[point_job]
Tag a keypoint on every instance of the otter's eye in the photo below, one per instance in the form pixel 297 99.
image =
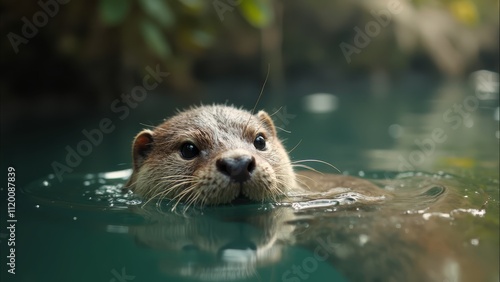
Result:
pixel 189 150
pixel 260 142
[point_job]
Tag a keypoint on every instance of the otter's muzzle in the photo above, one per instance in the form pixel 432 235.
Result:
pixel 238 168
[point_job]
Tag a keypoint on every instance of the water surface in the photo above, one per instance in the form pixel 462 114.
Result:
pixel 440 164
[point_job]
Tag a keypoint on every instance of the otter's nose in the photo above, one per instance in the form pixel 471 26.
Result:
pixel 238 168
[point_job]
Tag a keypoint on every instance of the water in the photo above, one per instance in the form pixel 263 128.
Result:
pixel 441 222
pixel 95 230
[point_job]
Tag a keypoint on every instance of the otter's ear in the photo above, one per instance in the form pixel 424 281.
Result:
pixel 267 122
pixel 143 143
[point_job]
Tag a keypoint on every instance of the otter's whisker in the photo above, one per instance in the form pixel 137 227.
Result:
pixel 307 167
pixel 179 196
pixel 317 161
pixel 302 182
pixel 275 112
pixel 192 198
pixel 258 98
pixel 284 130
pixel 179 200
pixel 160 194
pixel 295 147
pixel 147 125
pixel 188 193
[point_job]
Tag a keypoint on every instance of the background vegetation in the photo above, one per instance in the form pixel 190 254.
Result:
pixel 91 51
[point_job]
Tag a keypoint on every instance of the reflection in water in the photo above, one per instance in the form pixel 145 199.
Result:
pixel 223 244
pixel 457 119
pixel 425 227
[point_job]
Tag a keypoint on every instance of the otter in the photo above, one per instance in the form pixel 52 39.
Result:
pixel 218 154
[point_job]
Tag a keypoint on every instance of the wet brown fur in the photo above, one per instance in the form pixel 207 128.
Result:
pixel 161 172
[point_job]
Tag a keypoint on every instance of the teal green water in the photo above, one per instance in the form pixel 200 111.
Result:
pixel 94 230
pixel 439 159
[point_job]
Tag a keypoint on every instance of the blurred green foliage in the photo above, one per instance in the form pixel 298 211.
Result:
pixel 113 12
pixel 257 12
pixel 159 18
pixel 99 37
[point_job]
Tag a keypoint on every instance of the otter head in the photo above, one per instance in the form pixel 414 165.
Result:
pixel 211 155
